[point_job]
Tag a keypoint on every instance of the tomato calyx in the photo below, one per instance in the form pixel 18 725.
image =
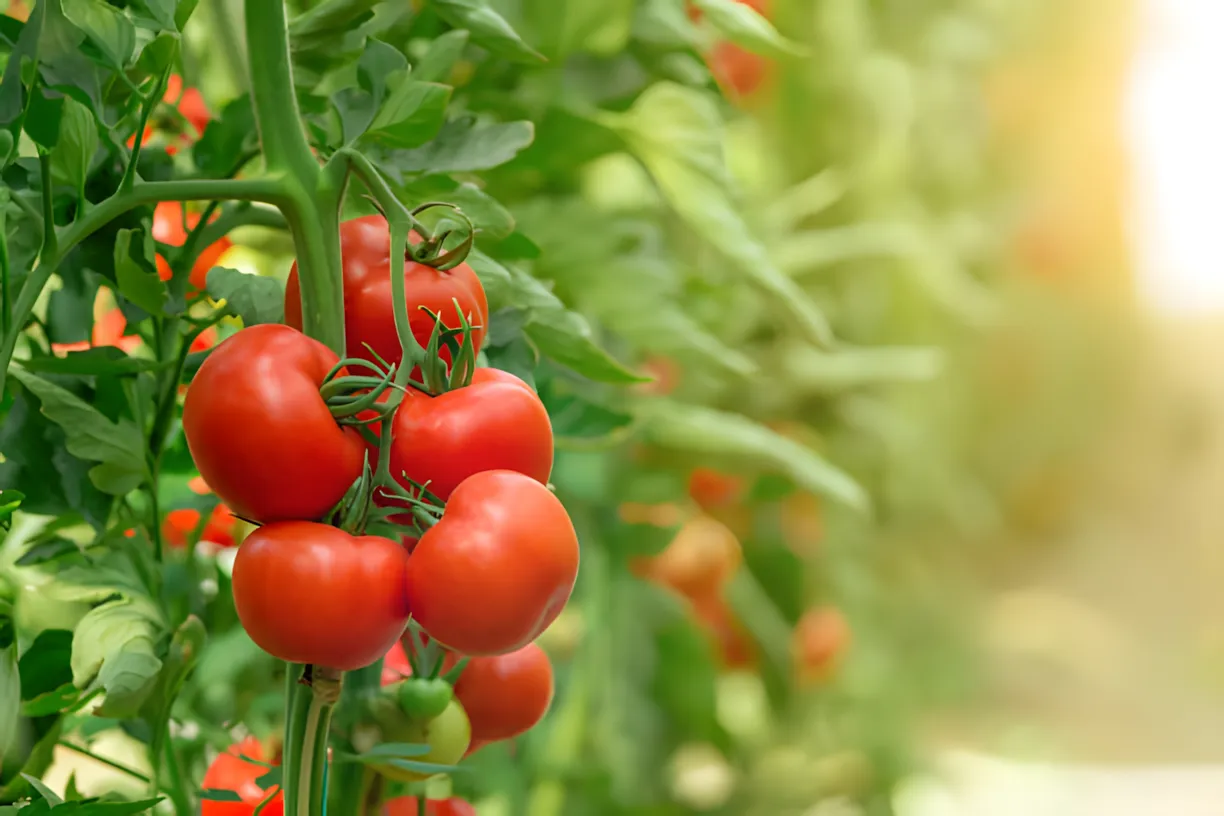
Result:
pixel 438 377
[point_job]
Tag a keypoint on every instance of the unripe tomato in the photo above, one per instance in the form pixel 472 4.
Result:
pixel 311 593
pixel 231 773
pixel 369 316
pixel 699 560
pixel 447 736
pixel 168 228
pixel 425 698
pixel 496 423
pixel 261 434
pixel 819 642
pixel 505 695
pixel 497 569
pixel 407 806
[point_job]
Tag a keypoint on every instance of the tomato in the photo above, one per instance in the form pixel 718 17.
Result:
pixel 311 593
pixel 180 523
pixel 497 569
pixel 261 434
pixel 407 806
pixel 496 423
pixel 505 695
pixel 368 313
pixel 712 488
pixel 231 773
pixel 819 642
pixel 168 228
pixel 395 664
pixel 699 560
pixel 447 736
pixel 665 373
pixel 204 340
pixel 108 330
pixel 733 646
pixel 192 107
pixel 425 698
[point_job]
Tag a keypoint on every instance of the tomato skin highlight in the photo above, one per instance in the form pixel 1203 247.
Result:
pixel 259 431
pixel 496 423
pixel 497 569
pixel 311 593
pixel 232 773
pixel 506 695
pixel 369 316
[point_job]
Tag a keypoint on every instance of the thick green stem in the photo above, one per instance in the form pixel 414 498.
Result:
pixel 272 91
pixel 305 753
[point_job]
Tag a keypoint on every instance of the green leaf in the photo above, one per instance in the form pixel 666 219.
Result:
pixel 676 132
pixel 46 793
pixel 78 141
pixel 566 338
pixel 489 29
pixel 52 702
pixel 48 550
pixel 89 434
pixel 10 500
pixel 136 271
pixel 568 26
pixel 12 87
pixel 10 686
pixel 160 52
pixel 43 118
pixel 158 12
pixel 229 135
pixel 113 646
pixel 411 115
pixel 706 431
pixel 577 421
pixel 44 665
pixel 464 145
pixel 254 298
pixel 102 361
pixel 630 540
pixel 220 795
pixel 378 66
pixel 95 807
pixel 492 219
pixel 440 59
pixel 107 27
pixel 744 26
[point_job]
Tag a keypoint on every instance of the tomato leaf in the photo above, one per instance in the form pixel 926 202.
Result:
pixel 90 435
pixel 568 26
pixel 744 26
pixel 114 647
pixel 492 219
pixel 219 795
pixel 464 145
pixel 10 500
pixel 101 361
pixel 43 117
pixel 411 115
pixel 489 29
pixel 676 132
pixel 254 298
pixel 136 272
pixel 10 680
pixel 702 430
pixel 438 62
pixel 45 664
pixel 107 28
pixel 227 136
pixel 78 141
pixel 578 422
pixel 50 796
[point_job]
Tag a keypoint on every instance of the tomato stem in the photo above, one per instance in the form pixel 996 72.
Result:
pixel 308 720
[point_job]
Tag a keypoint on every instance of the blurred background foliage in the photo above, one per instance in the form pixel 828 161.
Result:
pixel 878 278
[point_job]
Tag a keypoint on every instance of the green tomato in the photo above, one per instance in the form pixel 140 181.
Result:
pixel 425 699
pixel 447 735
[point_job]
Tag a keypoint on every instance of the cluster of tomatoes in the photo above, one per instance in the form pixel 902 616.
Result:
pixel 474 549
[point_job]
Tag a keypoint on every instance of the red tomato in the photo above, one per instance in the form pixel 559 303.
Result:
pixel 204 340
pixel 819 642
pixel 711 488
pixel 739 72
pixel 310 593
pixel 229 772
pixel 368 314
pixel 261 434
pixel 732 643
pixel 168 228
pixel 107 331
pixel 190 104
pixel 395 665
pixel 496 423
pixel 497 569
pixel 699 560
pixel 507 694
pixel 407 806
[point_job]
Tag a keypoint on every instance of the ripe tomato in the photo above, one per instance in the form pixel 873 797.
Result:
pixel 231 773
pixel 168 228
pixel 368 313
pixel 180 523
pixel 447 736
pixel 505 695
pixel 497 569
pixel 819 642
pixel 699 560
pixel 395 665
pixel 712 488
pixel 108 330
pixel 190 104
pixel 259 432
pixel 496 423
pixel 310 593
pixel 407 806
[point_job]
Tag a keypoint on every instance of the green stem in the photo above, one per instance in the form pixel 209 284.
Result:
pixel 178 791
pixel 146 109
pixel 50 239
pixel 118 766
pixel 267 189
pixel 305 753
pixel 272 92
